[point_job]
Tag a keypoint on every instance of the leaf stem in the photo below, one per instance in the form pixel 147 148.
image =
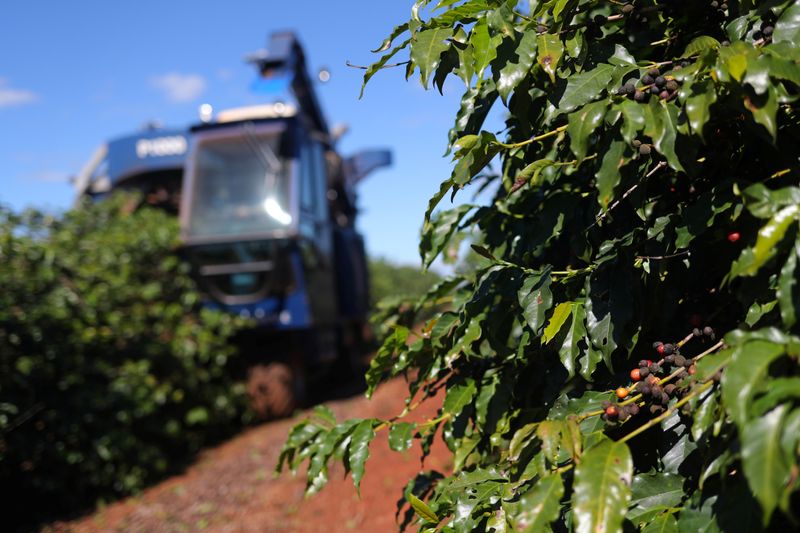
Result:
pixel 532 139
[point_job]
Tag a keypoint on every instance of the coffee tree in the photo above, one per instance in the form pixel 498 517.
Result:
pixel 625 355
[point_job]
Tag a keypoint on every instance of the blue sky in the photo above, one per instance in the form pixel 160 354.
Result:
pixel 73 74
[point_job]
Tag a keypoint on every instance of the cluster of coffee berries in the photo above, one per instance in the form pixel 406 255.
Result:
pixel 642 148
pixel 707 331
pixel 766 29
pixel 654 83
pixel 719 6
pixel 613 413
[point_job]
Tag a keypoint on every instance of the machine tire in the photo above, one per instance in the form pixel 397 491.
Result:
pixel 275 389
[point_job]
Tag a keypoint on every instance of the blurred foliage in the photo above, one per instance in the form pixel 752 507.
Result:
pixel 624 355
pixel 391 280
pixel 111 372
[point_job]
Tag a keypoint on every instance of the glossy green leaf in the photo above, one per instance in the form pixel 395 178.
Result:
pixel 358 451
pixel 602 487
pixel 582 124
pixel 762 458
pixel 540 505
pixel 437 233
pixel 550 49
pixel 745 374
pixel 459 394
pixel 483 51
pixel 787 28
pixel 584 87
pixel 700 44
pixel 752 259
pixel 422 509
pixel 535 298
pixel 513 73
pixel 664 523
pixel 764 109
pixel 557 319
pixel 570 348
pixel 608 176
pixel 633 120
pixel 786 292
pixel 699 100
pixel 427 47
pixel 401 435
pixel 662 125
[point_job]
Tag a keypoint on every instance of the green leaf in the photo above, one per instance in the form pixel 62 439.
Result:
pixel 483 51
pixel 401 434
pixel 539 506
pixel 378 65
pixel 700 44
pixel 602 487
pixel 582 124
pixel 764 108
pixel 633 120
pixel 358 451
pixel 557 319
pixel 699 98
pixel 664 523
pixel 535 298
pixel 608 176
pixel 763 460
pixel 787 28
pixel 520 439
pixel 653 493
pixel 662 126
pixel 427 47
pixel 585 87
pixel 422 509
pixel 752 259
pixel 570 349
pixel 460 393
pixel 514 72
pixel 786 293
pixel 550 50
pixel 438 232
pixel 746 372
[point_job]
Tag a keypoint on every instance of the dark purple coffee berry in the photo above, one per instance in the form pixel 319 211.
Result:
pixel 669 389
pixel 644 372
pixel 767 31
pixel 669 359
pixel 654 90
pixel 660 81
pixel 647 79
pixel 669 349
pixel 664 95
pixel 653 72
pixel 640 96
pixel 679 360
pixel 633 409
pixel 708 331
pixel 672 85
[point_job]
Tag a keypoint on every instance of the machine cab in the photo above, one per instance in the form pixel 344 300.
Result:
pixel 255 216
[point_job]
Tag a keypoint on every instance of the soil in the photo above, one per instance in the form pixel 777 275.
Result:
pixel 232 488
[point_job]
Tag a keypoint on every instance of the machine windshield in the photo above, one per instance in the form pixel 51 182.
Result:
pixel 240 186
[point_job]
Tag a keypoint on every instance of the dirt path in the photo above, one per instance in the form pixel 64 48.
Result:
pixel 232 489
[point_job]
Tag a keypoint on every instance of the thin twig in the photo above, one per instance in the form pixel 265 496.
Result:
pixel 391 65
pixel 627 193
pixel 659 257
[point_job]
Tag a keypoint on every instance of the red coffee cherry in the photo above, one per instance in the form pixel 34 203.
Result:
pixel 734 236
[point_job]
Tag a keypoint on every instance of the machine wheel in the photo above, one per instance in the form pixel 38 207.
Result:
pixel 275 389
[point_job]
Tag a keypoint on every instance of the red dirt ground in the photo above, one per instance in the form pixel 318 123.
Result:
pixel 232 488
